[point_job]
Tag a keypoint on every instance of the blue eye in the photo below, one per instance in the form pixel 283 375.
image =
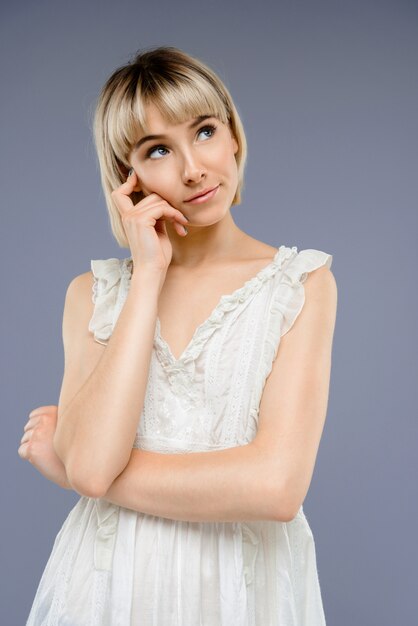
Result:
pixel 152 150
pixel 209 127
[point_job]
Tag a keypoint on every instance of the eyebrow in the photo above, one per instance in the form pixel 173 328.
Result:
pixel 196 122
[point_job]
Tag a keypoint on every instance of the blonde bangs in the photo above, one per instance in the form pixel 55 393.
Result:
pixel 177 102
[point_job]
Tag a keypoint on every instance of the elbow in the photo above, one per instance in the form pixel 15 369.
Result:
pixel 85 483
pixel 82 477
pixel 286 507
pixel 86 486
pixel 285 513
pixel 290 514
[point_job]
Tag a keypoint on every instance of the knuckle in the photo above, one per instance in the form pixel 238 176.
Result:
pixel 34 435
pixel 23 450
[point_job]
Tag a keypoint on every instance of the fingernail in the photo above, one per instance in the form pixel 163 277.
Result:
pixel 131 171
pixel 185 230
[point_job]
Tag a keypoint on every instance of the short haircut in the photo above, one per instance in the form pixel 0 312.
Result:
pixel 181 87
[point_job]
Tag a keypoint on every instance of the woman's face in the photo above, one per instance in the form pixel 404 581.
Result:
pixel 187 160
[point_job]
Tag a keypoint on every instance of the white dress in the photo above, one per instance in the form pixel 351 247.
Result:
pixel 112 566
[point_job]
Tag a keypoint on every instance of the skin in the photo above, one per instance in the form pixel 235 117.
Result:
pixel 268 478
pixel 36 445
pixel 193 160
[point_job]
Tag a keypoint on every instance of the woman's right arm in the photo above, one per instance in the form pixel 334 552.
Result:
pixel 104 387
pixel 96 427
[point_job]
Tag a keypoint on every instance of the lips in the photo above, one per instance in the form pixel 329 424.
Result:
pixel 201 193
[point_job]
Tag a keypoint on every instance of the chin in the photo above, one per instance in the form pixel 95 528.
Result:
pixel 207 218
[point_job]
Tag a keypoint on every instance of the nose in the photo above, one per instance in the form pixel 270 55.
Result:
pixel 193 170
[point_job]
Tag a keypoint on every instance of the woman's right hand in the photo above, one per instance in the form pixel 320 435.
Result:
pixel 144 225
pixel 37 445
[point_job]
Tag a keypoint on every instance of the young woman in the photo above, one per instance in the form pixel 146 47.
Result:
pixel 192 405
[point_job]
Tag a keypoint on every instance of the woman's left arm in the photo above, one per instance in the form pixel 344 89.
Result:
pixel 168 485
pixel 223 485
pixel 268 478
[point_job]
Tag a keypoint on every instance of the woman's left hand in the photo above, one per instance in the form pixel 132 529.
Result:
pixel 37 445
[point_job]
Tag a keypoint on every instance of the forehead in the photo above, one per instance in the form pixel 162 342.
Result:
pixel 157 123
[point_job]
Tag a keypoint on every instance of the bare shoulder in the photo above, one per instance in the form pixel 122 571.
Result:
pixel 78 311
pixel 321 296
pixel 81 352
pixel 322 280
pixel 79 304
pixel 315 325
pixel 81 287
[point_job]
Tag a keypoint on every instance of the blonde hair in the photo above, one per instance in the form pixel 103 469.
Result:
pixel 181 87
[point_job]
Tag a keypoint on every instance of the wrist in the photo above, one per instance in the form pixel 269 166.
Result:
pixel 148 280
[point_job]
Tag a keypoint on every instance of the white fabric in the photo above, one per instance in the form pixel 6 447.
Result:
pixel 112 566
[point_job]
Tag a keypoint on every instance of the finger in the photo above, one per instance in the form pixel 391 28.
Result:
pixel 164 211
pixel 160 225
pixel 182 230
pixel 122 193
pixel 23 451
pixel 129 184
pixel 27 436
pixel 31 422
pixel 50 408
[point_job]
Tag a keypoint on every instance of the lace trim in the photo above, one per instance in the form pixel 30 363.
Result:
pixel 226 303
pixel 111 284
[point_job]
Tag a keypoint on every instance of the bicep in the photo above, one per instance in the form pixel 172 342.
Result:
pixel 81 352
pixel 295 397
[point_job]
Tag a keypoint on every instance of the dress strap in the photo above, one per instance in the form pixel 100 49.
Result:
pixel 290 294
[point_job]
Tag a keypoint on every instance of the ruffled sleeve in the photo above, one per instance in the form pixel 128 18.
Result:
pixel 289 296
pixel 107 274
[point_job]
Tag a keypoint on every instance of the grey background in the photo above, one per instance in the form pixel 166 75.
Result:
pixel 328 95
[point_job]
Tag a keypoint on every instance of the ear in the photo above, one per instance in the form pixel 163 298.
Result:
pixel 234 141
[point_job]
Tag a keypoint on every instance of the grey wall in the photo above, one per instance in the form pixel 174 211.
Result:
pixel 329 97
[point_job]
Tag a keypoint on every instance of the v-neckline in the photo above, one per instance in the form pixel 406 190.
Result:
pixel 205 328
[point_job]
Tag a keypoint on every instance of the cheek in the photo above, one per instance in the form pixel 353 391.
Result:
pixel 228 155
pixel 153 177
pixel 218 160
pixel 162 181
